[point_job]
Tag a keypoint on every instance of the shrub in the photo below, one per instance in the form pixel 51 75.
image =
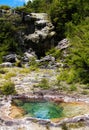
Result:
pixel 2 71
pixel 18 63
pixel 6 7
pixel 33 64
pixel 64 126
pixel 54 52
pixel 72 76
pixel 32 61
pixel 44 84
pixel 8 88
pixel 62 76
pixel 85 92
pixel 24 70
pixel 9 75
pixel 73 87
pixel 78 53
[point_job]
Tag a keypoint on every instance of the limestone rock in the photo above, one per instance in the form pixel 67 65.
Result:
pixel 10 58
pixel 47 62
pixel 63 44
pixel 29 55
pixel 6 64
pixel 41 32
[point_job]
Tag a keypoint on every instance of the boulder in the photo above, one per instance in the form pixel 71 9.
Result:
pixel 10 58
pixel 29 55
pixel 47 62
pixel 6 64
pixel 63 44
pixel 48 58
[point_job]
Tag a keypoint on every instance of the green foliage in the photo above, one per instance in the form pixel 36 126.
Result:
pixel 85 92
pixel 6 7
pixel 2 71
pixel 44 84
pixel 18 63
pixel 8 35
pixel 73 87
pixel 9 75
pixel 64 11
pixel 66 75
pixel 33 64
pixel 61 12
pixel 54 52
pixel 63 76
pixel 32 61
pixel 71 76
pixel 78 58
pixel 64 126
pixel 8 88
pixel 23 9
pixel 39 6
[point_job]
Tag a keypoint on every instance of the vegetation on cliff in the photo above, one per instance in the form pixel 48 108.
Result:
pixel 70 19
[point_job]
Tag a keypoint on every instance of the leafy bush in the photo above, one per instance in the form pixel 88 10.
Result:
pixel 6 7
pixel 44 84
pixel 18 63
pixel 9 75
pixel 78 58
pixel 2 71
pixel 54 52
pixel 73 87
pixel 85 92
pixel 62 76
pixel 32 61
pixel 8 88
pixel 64 126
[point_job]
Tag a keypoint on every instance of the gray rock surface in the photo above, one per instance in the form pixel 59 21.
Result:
pixel 63 44
pixel 29 55
pixel 10 58
pixel 41 32
pixel 43 27
pixel 6 64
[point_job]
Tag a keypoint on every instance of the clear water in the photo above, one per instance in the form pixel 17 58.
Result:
pixel 50 110
pixel 43 110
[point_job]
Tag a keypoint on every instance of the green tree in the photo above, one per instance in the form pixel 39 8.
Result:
pixel 8 88
pixel 78 57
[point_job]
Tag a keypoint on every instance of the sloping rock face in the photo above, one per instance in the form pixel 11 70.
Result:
pixel 39 34
pixel 63 44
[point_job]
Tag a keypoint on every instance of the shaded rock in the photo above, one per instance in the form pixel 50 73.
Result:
pixel 28 18
pixel 29 55
pixel 6 64
pixel 10 58
pixel 44 122
pixel 63 44
pixel 48 58
pixel 47 61
pixel 40 32
pixel 9 123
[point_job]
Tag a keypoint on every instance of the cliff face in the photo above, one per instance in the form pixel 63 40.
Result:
pixel 39 34
pixel 33 30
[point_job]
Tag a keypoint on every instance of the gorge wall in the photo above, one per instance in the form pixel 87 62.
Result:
pixel 39 32
pixel 29 30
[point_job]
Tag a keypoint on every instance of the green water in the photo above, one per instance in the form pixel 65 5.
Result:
pixel 50 110
pixel 43 110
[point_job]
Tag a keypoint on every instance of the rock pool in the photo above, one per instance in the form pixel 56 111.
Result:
pixel 50 110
